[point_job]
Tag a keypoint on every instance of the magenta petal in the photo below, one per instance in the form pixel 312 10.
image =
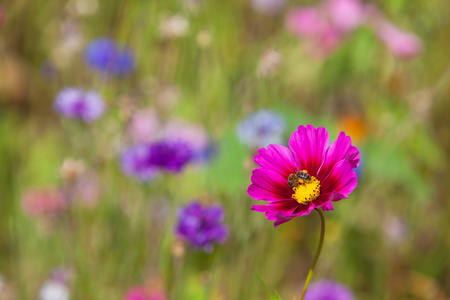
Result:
pixel 327 206
pixel 335 196
pixel 280 219
pixel 341 149
pixel 277 158
pixel 261 208
pixel 268 185
pixel 341 182
pixel 309 146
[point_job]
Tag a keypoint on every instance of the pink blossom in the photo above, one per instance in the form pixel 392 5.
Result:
pixel 143 125
pixel 308 21
pixel 43 202
pixel 330 169
pixel 346 15
pixel 401 43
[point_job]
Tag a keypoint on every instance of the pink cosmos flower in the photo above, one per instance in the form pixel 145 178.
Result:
pixel 401 43
pixel 328 171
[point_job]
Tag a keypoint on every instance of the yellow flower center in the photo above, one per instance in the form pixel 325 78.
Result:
pixel 306 191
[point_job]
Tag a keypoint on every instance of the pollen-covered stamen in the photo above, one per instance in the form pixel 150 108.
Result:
pixel 306 191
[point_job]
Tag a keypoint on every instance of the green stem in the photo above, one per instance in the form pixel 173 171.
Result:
pixel 316 258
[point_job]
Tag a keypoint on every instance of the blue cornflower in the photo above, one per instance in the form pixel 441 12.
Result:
pixel 105 56
pixel 261 128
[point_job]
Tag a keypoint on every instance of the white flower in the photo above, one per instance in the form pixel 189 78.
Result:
pixel 173 27
pixel 54 290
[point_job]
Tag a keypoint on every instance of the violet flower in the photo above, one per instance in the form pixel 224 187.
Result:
pixel 328 290
pixel 76 103
pixel 144 161
pixel 201 226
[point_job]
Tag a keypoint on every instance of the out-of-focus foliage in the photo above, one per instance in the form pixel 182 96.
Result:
pixel 209 65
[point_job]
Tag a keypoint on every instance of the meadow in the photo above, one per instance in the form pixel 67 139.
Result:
pixel 130 130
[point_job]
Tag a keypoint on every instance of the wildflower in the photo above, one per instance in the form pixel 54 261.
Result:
pixel 170 155
pixel 330 169
pixel 144 161
pixel 201 226
pixel 401 43
pixel 56 288
pixel 202 147
pixel 72 168
pixel 144 125
pixel 261 128
pixel 268 7
pixel 347 15
pixel 142 293
pixel 43 202
pixel 269 63
pixel 325 25
pixel 173 27
pixel 327 289
pixel 105 56
pixel 75 103
pixel 354 125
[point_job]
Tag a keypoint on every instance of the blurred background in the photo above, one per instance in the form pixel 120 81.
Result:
pixel 88 86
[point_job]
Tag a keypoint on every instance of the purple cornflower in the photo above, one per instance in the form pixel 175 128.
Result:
pixel 261 128
pixel 105 56
pixel 328 290
pixel 201 226
pixel 144 161
pixel 75 103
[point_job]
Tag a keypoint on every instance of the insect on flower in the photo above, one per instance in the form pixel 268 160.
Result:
pixel 297 178
pixel 327 174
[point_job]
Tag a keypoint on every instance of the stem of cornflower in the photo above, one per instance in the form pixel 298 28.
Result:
pixel 319 249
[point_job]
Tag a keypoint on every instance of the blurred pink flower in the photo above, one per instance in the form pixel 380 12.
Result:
pixel 325 25
pixel 141 293
pixel 143 125
pixel 313 24
pixel 43 202
pixel 347 15
pixel 308 21
pixel 401 43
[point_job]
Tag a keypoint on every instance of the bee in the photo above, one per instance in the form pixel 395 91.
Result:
pixel 297 178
